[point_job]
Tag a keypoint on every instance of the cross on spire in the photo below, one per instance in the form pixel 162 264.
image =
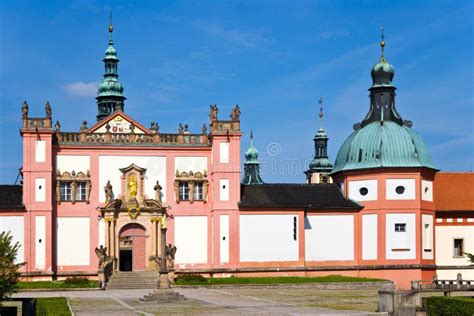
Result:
pixel 382 42
pixel 321 114
pixel 111 27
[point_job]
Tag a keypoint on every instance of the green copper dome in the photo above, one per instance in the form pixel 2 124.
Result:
pixel 110 52
pixel 251 155
pixel 383 144
pixel 383 139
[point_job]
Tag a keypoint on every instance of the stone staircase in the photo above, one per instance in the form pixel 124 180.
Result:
pixel 133 280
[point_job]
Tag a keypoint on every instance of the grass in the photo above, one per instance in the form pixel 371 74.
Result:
pixel 57 285
pixel 199 280
pixel 56 306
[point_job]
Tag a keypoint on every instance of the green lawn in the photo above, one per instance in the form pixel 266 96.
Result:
pixel 57 285
pixel 198 280
pixel 54 306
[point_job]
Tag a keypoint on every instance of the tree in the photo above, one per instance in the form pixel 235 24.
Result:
pixel 9 269
pixel 470 257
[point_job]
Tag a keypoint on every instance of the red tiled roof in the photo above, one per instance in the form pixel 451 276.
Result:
pixel 454 191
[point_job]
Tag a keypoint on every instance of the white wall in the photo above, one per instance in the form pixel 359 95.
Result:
pixel 224 238
pixel 369 237
pixel 427 236
pixel 109 170
pixel 224 189
pixel 408 194
pixel 426 190
pixel 355 186
pixel 444 250
pixel 190 164
pixel 40 151
pixel 40 242
pixel 73 241
pixel 224 152
pixel 15 225
pixel 70 163
pixel 40 189
pixel 400 245
pixel 190 237
pixel 329 237
pixel 268 238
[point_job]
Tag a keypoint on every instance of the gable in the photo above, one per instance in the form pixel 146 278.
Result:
pixel 119 123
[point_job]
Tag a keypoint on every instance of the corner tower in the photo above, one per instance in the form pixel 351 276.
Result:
pixel 110 93
pixel 251 165
pixel 385 166
pixel 320 166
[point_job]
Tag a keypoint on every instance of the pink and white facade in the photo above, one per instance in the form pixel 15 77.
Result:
pixel 357 223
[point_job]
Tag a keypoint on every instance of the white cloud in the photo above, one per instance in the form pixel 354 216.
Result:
pixel 82 89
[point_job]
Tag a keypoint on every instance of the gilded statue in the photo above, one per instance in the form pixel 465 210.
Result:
pixel 158 189
pixel 24 110
pixel 235 113
pixel 132 185
pixel 109 193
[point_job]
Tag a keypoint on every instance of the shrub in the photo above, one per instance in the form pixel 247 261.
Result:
pixel 57 306
pixel 191 278
pixel 76 281
pixel 9 273
pixel 449 306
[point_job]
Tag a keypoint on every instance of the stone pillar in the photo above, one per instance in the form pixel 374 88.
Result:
pixel 164 281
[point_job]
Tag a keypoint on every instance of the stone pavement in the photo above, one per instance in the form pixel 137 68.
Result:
pixel 208 301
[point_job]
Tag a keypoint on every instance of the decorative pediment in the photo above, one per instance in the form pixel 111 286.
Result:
pixel 133 166
pixel 118 123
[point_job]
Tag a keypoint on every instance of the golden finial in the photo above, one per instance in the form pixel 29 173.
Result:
pixel 111 28
pixel 382 42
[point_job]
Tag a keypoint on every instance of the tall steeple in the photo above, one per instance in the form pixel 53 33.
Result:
pixel 109 95
pixel 320 166
pixel 382 92
pixel 251 165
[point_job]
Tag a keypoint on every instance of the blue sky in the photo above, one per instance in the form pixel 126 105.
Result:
pixel 273 58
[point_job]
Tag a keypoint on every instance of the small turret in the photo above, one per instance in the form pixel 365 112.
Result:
pixel 251 165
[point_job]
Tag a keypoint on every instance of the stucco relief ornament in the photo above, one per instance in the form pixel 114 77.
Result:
pixel 134 212
pixel 109 193
pixel 47 110
pixel 24 110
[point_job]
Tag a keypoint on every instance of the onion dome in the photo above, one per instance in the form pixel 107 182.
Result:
pixel 383 139
pixel 251 165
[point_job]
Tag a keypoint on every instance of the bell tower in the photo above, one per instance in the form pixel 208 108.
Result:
pixel 109 95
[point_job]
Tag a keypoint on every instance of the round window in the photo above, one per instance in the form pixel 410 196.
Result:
pixel 426 189
pixel 363 191
pixel 400 189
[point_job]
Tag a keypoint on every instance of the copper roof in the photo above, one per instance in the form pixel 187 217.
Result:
pixel 454 191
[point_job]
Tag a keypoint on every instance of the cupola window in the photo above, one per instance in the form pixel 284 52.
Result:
pixel 363 191
pixel 400 189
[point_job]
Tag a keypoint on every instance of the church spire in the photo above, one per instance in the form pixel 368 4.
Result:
pixel 251 165
pixel 109 95
pixel 320 166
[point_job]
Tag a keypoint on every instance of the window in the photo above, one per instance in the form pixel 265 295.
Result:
pixel 197 194
pixel 183 191
pixel 400 227
pixel 363 191
pixel 80 191
pixel 458 247
pixel 65 191
pixel 400 189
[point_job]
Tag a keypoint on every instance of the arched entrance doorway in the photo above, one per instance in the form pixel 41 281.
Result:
pixel 132 251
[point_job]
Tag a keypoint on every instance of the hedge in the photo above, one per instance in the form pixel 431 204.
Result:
pixel 449 305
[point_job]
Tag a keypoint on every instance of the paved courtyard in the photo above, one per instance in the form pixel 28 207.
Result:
pixel 228 301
